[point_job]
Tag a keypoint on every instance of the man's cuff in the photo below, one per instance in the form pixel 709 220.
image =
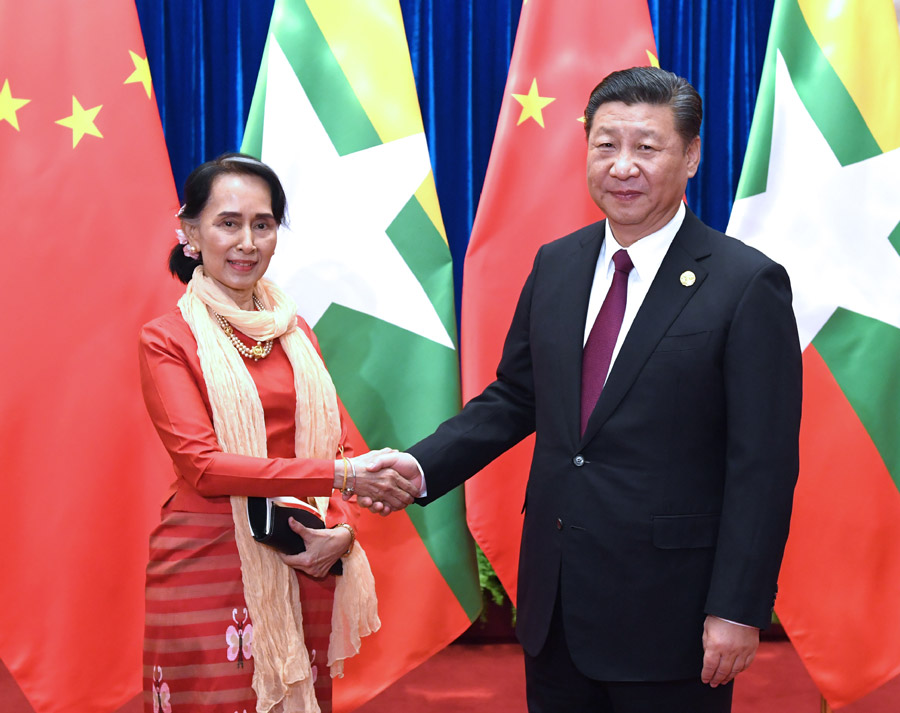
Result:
pixel 423 491
pixel 736 623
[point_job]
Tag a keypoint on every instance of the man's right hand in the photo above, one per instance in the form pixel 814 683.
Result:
pixel 401 463
pixel 728 649
pixel 381 484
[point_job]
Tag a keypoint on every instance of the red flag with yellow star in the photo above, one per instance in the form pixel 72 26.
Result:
pixel 534 191
pixel 88 199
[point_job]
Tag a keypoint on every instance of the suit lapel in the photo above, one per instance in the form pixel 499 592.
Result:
pixel 665 300
pixel 574 291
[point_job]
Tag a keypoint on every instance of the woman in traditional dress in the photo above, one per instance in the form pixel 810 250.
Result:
pixel 238 392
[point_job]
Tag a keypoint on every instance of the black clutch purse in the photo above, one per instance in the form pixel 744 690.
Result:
pixel 269 525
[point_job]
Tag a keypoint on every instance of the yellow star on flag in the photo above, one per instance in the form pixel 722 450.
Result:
pixel 654 60
pixel 81 121
pixel 9 105
pixel 141 72
pixel 532 103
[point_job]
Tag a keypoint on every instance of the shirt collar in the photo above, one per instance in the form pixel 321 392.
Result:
pixel 647 253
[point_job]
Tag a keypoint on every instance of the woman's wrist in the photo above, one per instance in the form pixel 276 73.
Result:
pixel 348 528
pixel 344 475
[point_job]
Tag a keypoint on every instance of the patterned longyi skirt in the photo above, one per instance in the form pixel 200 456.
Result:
pixel 198 641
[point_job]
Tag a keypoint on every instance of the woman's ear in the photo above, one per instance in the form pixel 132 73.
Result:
pixel 191 233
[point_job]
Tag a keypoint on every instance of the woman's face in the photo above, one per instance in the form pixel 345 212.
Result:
pixel 236 234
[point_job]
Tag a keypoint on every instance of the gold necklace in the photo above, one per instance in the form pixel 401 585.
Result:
pixel 258 351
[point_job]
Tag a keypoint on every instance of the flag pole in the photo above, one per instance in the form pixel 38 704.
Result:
pixel 823 705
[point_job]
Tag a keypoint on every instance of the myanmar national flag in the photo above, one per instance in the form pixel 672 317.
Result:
pixel 820 193
pixel 335 113
pixel 88 201
pixel 535 191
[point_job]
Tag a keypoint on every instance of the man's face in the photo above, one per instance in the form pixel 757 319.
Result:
pixel 638 167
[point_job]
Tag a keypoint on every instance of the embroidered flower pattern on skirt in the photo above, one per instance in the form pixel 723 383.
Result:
pixel 239 638
pixel 161 695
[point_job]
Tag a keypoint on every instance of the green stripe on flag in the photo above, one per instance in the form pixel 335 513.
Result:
pixel 894 238
pixel 323 80
pixel 824 95
pixel 378 392
pixel 862 355
pixel 365 373
pixel 423 249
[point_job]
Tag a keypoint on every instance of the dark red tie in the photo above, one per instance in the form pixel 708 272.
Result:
pixel 602 340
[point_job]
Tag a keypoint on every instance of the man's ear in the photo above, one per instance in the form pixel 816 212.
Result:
pixel 693 156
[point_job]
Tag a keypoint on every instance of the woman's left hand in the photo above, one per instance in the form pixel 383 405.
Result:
pixel 323 549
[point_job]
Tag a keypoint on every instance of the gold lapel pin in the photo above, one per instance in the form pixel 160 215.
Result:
pixel 687 278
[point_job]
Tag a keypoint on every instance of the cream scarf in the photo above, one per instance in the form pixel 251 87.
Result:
pixel 282 676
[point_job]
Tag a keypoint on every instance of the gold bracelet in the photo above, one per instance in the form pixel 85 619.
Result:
pixel 352 532
pixel 346 462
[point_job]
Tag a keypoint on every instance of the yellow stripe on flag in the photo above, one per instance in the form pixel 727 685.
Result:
pixel 370 45
pixel 427 197
pixel 861 41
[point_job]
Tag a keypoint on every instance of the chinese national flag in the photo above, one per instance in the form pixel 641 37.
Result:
pixel 87 199
pixel 535 191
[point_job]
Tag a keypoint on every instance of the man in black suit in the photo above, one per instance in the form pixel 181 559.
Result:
pixel 664 388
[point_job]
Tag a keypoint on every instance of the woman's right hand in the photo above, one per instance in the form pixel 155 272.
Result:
pixel 385 485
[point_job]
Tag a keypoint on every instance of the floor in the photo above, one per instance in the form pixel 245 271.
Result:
pixel 489 677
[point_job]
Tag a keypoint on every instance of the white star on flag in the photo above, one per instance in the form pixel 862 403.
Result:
pixel 337 249
pixel 827 224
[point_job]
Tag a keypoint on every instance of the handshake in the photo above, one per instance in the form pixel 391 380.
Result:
pixel 383 481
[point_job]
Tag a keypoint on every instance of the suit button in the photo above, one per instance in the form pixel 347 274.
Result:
pixel 559 523
pixel 578 460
